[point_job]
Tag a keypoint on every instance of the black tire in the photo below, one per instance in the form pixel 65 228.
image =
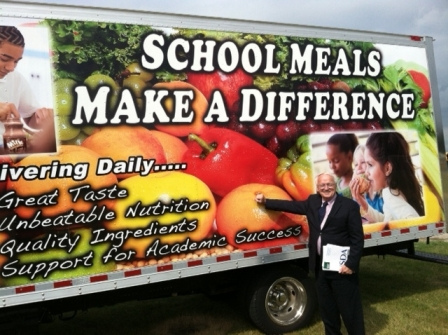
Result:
pixel 281 300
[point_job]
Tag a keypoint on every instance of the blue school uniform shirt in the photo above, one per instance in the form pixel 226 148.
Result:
pixel 376 203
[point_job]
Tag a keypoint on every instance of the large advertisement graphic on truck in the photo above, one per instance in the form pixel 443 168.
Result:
pixel 153 142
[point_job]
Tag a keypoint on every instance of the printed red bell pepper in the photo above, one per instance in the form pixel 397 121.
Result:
pixel 225 159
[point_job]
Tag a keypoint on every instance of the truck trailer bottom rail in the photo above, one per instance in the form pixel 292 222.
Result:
pixel 410 252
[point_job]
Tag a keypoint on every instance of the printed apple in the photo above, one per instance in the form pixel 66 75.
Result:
pixel 229 84
pixel 198 106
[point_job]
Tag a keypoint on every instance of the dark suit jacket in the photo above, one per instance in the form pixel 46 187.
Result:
pixel 343 226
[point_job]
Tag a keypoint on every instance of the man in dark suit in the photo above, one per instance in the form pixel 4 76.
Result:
pixel 332 219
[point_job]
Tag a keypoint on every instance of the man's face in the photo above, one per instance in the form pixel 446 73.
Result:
pixel 10 55
pixel 326 187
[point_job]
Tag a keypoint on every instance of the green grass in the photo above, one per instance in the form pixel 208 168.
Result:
pixel 405 296
pixel 400 296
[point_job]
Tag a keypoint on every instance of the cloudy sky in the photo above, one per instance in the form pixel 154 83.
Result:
pixel 409 17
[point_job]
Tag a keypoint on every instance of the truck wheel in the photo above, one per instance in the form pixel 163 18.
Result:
pixel 282 300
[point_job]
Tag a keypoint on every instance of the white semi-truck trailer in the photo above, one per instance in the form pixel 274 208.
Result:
pixel 162 129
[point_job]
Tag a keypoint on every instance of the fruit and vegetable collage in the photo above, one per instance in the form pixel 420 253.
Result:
pixel 165 136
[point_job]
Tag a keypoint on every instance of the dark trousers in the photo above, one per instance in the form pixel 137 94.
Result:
pixel 339 297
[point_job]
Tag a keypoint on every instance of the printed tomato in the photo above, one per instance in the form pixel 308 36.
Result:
pixel 422 81
pixel 248 225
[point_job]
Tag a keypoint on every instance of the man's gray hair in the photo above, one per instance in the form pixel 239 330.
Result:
pixel 323 174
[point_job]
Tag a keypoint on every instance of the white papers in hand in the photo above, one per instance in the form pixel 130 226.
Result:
pixel 333 256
